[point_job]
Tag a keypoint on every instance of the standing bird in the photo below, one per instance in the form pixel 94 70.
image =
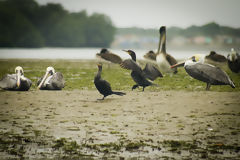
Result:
pixel 103 86
pixel 164 60
pixel 205 72
pixel 108 56
pixel 138 75
pixel 51 80
pixel 16 82
pixel 234 61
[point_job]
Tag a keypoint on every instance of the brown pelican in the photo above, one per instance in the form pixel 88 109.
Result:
pixel 51 80
pixel 108 56
pixel 164 60
pixel 103 86
pixel 150 56
pixel 234 61
pixel 205 72
pixel 16 82
pixel 138 75
pixel 216 57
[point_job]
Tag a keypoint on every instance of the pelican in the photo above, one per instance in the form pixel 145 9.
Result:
pixel 108 56
pixel 51 80
pixel 205 72
pixel 216 57
pixel 16 82
pixel 234 61
pixel 164 60
pixel 138 75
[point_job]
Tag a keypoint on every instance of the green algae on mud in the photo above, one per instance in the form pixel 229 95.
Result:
pixel 189 123
pixel 79 74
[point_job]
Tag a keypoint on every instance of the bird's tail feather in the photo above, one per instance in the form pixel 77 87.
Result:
pixel 153 84
pixel 119 93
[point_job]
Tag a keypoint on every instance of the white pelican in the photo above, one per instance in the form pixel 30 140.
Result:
pixel 51 80
pixel 16 81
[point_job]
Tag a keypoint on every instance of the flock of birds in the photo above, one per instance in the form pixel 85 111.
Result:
pixel 195 66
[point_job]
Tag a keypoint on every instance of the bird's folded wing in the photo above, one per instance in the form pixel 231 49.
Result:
pixel 131 65
pixel 8 81
pixel 171 59
pixel 151 72
pixel 57 80
pixel 210 71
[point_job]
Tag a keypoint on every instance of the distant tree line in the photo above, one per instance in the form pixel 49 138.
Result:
pixel 210 30
pixel 25 23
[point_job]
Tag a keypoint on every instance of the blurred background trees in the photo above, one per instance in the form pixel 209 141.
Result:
pixel 24 23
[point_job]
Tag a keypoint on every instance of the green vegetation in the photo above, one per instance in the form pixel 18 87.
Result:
pixel 24 23
pixel 80 75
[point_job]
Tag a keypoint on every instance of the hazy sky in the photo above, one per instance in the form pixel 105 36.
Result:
pixel 154 13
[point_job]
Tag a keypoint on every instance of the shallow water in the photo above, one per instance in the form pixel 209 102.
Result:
pixel 81 53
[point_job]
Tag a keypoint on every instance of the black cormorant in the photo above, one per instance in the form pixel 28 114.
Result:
pixel 138 75
pixel 103 86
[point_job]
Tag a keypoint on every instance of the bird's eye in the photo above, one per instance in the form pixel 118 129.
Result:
pixel 193 59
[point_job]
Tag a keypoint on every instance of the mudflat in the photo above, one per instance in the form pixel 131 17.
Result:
pixel 164 124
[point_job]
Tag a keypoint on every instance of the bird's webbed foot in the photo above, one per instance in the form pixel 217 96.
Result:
pixel 134 87
pixel 101 99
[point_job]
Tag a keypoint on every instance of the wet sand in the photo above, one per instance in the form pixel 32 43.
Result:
pixel 165 124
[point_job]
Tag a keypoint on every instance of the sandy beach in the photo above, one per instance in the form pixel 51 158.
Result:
pixel 151 125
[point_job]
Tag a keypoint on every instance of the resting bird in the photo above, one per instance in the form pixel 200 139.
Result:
pixel 138 75
pixel 216 57
pixel 234 61
pixel 164 60
pixel 108 56
pixel 51 80
pixel 205 72
pixel 16 82
pixel 150 56
pixel 103 86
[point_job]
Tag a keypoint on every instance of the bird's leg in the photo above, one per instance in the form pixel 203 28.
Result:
pixel 143 89
pixel 208 86
pixel 134 86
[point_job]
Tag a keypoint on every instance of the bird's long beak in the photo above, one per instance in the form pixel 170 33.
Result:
pixel 125 51
pixel 180 64
pixel 18 79
pixel 44 78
